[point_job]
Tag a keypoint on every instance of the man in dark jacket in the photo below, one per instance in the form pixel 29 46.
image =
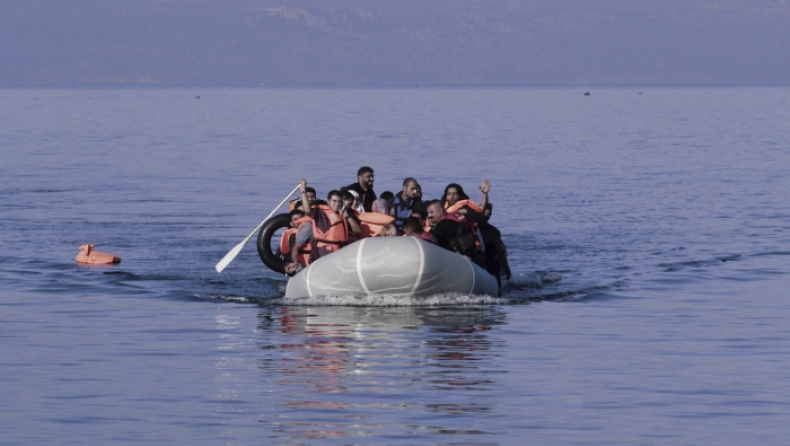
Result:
pixel 364 187
pixel 406 202
pixel 496 252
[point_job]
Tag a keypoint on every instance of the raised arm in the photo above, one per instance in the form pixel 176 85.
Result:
pixel 484 188
pixel 303 194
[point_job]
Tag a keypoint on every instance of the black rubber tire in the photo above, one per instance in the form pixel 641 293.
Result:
pixel 274 260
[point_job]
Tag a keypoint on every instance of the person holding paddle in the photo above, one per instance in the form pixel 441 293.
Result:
pixel 326 226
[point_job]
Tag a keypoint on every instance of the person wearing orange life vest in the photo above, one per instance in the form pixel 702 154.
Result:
pixel 326 228
pixel 371 224
pixel 296 214
pixel 455 199
pixel 288 240
pixel 297 204
pixel 453 231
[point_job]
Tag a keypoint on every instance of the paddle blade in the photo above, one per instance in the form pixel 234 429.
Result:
pixel 229 257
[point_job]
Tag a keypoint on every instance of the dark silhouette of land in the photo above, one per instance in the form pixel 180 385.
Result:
pixel 393 43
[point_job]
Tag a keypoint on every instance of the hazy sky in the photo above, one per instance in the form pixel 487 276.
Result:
pixel 394 42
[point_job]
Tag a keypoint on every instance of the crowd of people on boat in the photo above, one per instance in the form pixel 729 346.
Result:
pixel 454 222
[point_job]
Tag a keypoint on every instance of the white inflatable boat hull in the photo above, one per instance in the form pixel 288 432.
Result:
pixel 386 266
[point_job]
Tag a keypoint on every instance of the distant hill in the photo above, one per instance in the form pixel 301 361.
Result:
pixel 393 43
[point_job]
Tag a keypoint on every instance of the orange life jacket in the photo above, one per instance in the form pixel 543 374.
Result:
pixel 90 257
pixel 473 206
pixel 460 204
pixel 372 223
pixel 336 236
pixel 285 247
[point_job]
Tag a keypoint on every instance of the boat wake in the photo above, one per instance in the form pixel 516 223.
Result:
pixel 437 300
pixel 532 279
pixel 512 294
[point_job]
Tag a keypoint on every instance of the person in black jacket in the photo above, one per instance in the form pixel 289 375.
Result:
pixel 364 188
pixel 496 253
pixel 406 202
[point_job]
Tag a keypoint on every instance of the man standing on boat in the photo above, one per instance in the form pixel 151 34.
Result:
pixel 364 187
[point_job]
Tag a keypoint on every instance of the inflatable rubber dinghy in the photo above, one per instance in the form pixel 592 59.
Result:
pixel 387 266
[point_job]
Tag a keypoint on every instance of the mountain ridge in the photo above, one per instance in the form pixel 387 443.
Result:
pixel 403 43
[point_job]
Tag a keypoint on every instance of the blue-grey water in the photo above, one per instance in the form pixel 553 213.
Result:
pixel 649 236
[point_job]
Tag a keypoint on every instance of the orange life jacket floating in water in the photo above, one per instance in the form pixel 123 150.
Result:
pixel 285 246
pixel 90 257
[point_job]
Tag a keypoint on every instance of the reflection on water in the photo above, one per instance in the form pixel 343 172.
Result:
pixel 383 370
pixel 670 238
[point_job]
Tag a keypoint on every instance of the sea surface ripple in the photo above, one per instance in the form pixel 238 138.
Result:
pixel 648 233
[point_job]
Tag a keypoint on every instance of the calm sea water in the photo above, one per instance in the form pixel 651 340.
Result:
pixel 649 234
